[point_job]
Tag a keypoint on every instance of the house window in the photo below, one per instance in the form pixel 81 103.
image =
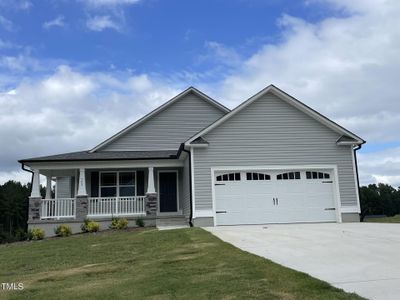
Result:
pixel 108 184
pixel 127 184
pixel 257 176
pixel 288 176
pixel 117 184
pixel 229 177
pixel 317 175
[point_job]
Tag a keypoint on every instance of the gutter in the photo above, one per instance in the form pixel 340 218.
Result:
pixel 190 186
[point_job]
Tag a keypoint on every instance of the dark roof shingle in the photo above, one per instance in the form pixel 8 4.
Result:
pixel 106 155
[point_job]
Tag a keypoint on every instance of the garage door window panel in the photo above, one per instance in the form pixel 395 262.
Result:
pixel 257 176
pixel 317 175
pixel 289 176
pixel 229 177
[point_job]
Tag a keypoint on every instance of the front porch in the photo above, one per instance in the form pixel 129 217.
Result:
pixel 73 195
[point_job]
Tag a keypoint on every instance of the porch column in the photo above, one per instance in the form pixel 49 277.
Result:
pixel 82 183
pixel 150 182
pixel 82 197
pixel 36 184
pixel 35 199
pixel 48 187
pixel 151 195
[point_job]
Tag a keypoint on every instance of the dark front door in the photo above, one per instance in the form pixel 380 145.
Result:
pixel 168 192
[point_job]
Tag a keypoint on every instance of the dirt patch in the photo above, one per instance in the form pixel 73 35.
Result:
pixel 58 275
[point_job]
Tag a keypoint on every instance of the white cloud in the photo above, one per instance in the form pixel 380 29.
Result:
pixel 6 24
pixel 19 63
pixel 222 53
pixel 16 4
pixel 71 111
pixel 345 67
pixel 6 44
pixel 57 22
pixel 21 176
pixel 381 166
pixel 108 3
pixel 100 23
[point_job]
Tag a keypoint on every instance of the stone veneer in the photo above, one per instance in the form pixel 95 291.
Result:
pixel 34 208
pixel 81 207
pixel 151 204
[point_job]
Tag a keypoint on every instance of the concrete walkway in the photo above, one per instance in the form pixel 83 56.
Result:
pixel 357 257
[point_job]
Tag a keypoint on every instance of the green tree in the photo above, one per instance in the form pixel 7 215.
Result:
pixel 381 199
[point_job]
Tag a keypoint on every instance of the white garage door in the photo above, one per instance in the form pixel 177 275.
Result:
pixel 257 197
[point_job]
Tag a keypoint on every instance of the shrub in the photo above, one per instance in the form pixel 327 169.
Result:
pixel 20 234
pixel 36 234
pixel 118 223
pixel 63 230
pixel 140 222
pixel 90 226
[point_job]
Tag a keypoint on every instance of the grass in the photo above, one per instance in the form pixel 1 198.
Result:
pixel 149 264
pixel 394 219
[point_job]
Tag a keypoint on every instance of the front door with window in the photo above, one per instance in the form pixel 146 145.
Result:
pixel 168 193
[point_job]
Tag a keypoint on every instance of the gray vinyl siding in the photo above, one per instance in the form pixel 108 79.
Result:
pixel 64 187
pixel 185 184
pixel 271 132
pixel 170 127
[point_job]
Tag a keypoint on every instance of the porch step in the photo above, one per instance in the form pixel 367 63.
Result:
pixel 171 222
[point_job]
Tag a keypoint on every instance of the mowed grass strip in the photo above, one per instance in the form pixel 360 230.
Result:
pixel 150 264
pixel 394 219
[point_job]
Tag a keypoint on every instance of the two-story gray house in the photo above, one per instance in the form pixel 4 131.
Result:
pixel 193 161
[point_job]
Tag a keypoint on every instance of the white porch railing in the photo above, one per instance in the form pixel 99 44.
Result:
pixel 116 206
pixel 58 208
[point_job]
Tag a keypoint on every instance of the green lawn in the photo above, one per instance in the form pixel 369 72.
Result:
pixel 394 219
pixel 177 264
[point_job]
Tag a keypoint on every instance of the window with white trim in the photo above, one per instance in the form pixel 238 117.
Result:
pixel 117 184
pixel 257 176
pixel 229 177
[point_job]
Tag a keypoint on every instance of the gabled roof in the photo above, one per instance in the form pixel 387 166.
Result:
pixel 345 140
pixel 106 155
pixel 161 108
pixel 290 100
pixel 199 140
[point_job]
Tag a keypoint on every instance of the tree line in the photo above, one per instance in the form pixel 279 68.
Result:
pixel 376 199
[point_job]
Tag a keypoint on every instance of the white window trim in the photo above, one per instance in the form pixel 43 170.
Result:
pixel 117 186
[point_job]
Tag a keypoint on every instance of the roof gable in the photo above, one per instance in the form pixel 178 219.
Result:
pixel 288 99
pixel 160 109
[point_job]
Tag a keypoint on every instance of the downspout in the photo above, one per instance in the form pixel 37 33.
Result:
pixel 356 164
pixel 30 192
pixel 190 187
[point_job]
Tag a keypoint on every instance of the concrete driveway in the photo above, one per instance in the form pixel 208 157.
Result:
pixel 357 257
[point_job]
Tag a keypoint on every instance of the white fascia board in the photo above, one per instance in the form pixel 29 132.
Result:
pixel 198 145
pixel 158 110
pixel 290 100
pixel 111 164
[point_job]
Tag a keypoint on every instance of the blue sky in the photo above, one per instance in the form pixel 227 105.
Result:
pixel 69 69
pixel 152 36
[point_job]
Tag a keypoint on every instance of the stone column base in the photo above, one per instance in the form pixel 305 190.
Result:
pixel 81 207
pixel 34 208
pixel 151 204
